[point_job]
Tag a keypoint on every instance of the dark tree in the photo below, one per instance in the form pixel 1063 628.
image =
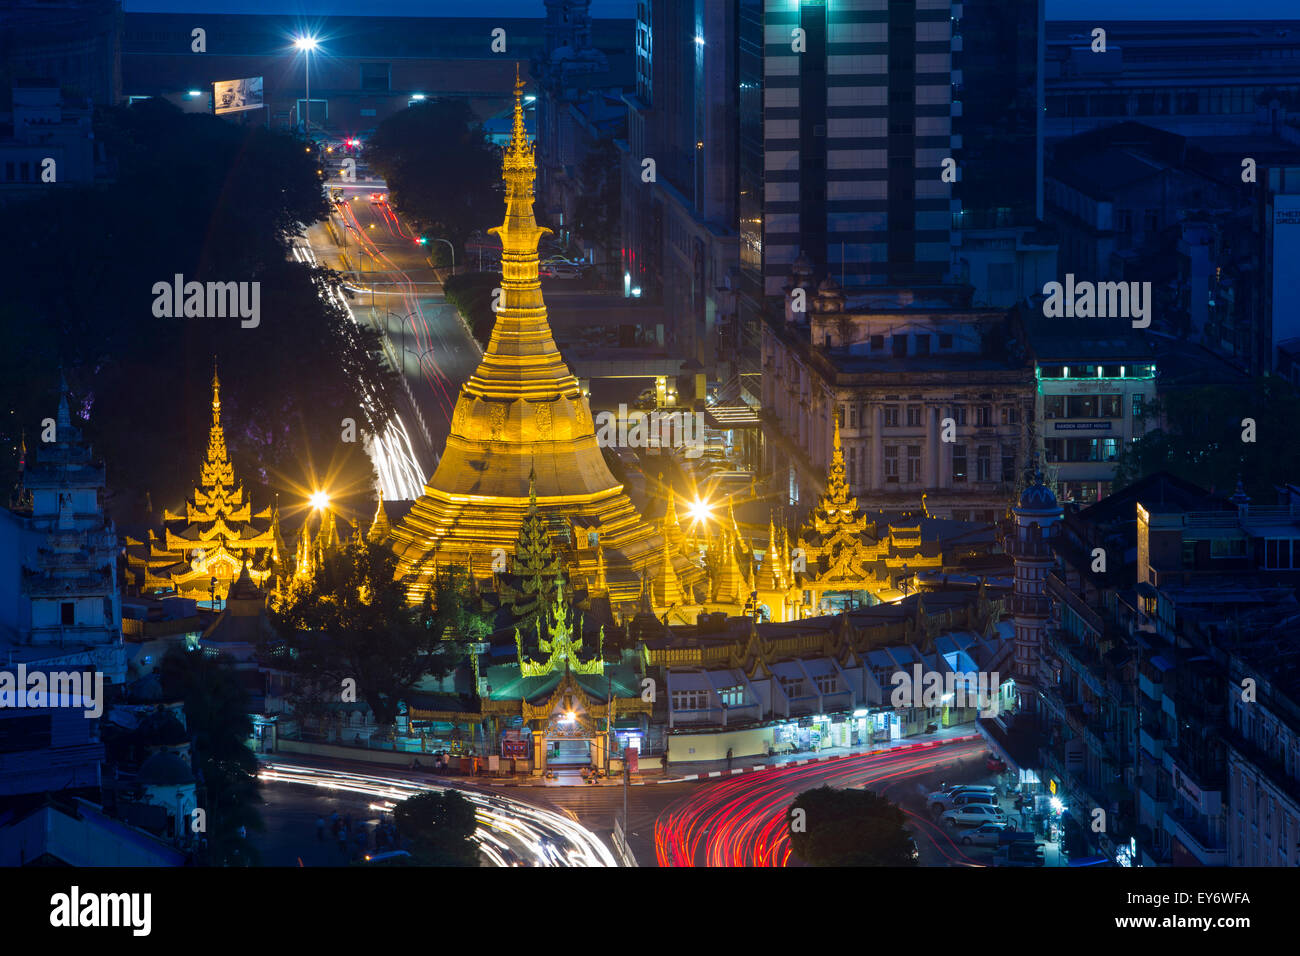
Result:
pixel 352 622
pixel 216 715
pixel 1201 434
pixel 848 828
pixel 210 201
pixel 440 827
pixel 440 167
pixel 598 210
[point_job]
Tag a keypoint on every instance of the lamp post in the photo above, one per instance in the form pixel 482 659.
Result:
pixel 419 357
pixel 306 44
pixel 403 319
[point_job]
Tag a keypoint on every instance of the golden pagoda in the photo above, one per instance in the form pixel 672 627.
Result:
pixel 214 536
pixel 522 412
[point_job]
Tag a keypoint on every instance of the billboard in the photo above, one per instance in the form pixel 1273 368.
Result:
pixel 235 96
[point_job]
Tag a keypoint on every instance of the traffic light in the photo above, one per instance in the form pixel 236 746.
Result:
pixel 423 240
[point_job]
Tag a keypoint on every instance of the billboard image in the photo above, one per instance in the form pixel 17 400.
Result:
pixel 234 96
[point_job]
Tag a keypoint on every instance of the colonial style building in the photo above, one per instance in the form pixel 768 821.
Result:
pixel 932 399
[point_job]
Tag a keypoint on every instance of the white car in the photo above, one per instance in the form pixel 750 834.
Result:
pixel 973 815
pixel 947 799
pixel 986 834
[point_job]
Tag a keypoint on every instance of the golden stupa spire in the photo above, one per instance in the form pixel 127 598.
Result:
pixel 522 412
pixel 216 496
pixel 837 487
pixel 379 526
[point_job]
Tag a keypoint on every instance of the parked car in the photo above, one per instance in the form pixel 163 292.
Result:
pixel 973 815
pixel 1019 854
pixel 943 799
pixel 967 797
pixel 986 834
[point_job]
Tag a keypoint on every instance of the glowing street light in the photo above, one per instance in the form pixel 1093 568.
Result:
pixel 320 500
pixel 306 44
pixel 700 510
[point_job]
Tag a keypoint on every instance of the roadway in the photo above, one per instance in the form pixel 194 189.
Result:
pixel 737 820
pixel 510 832
pixel 741 820
pixel 391 286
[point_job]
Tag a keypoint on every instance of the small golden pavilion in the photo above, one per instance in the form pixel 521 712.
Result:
pixel 214 536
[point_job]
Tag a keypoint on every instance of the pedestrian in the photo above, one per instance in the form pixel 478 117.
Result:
pixel 728 758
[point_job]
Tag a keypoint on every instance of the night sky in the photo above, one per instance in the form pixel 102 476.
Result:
pixel 1056 9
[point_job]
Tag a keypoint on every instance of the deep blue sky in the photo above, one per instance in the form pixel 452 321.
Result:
pixel 1056 9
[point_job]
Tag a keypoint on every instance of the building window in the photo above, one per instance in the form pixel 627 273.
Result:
pixel 958 462
pixel 913 463
pixel 827 684
pixel 877 343
pixel 913 416
pixel 958 414
pixel 945 340
pixel 891 463
pixel 853 416
pixel 1053 406
pixel 891 416
pixel 733 696
pixel 1277 554
pixel 1137 406
pixel 1009 463
pixel 1010 415
pixel 923 345
pixel 374 77
pixel 67 613
pixel 983 416
pixel 1228 547
pixel 900 346
pixel 984 463
pixel 687 700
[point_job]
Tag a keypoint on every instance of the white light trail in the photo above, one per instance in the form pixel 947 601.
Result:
pixel 549 838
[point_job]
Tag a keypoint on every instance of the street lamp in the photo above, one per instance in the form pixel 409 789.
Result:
pixel 419 357
pixel 306 44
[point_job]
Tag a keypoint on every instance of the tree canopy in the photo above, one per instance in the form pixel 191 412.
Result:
pixel 440 167
pixel 440 827
pixel 352 622
pixel 216 715
pixel 1204 438
pixel 211 201
pixel 848 828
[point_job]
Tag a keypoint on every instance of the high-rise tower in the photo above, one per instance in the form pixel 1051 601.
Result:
pixel 521 412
